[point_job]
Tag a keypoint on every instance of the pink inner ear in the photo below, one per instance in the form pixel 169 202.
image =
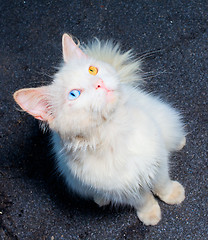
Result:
pixel 70 49
pixel 35 102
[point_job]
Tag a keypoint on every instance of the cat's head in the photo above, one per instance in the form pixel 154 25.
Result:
pixel 84 93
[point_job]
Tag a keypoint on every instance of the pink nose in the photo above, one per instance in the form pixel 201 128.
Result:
pixel 100 84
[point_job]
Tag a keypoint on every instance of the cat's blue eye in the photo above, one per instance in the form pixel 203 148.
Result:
pixel 74 94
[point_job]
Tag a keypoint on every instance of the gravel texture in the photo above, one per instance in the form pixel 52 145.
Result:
pixel 172 37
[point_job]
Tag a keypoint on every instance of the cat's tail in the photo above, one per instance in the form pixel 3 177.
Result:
pixel 127 66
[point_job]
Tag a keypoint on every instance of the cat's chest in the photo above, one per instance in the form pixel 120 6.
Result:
pixel 105 170
pixel 123 158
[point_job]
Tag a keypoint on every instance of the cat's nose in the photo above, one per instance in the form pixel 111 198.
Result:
pixel 100 84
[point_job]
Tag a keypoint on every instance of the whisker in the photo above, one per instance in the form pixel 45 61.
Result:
pixel 31 84
pixel 149 54
pixel 152 74
pixel 43 74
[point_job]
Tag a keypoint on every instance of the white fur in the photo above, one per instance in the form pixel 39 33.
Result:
pixel 113 147
pixel 123 154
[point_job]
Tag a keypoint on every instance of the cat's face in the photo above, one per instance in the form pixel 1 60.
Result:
pixel 84 93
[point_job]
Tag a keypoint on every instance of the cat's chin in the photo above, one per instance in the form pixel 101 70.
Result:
pixel 109 110
pixel 106 98
pixel 111 97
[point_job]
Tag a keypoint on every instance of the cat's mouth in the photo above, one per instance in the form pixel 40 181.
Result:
pixel 101 85
pixel 110 94
pixel 108 91
pixel 107 94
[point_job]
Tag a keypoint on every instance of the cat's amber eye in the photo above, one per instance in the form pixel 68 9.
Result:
pixel 93 70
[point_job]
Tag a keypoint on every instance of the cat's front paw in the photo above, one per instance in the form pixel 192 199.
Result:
pixel 150 216
pixel 101 201
pixel 176 195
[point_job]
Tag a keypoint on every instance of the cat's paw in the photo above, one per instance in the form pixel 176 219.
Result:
pixel 176 194
pixel 182 144
pixel 101 201
pixel 150 216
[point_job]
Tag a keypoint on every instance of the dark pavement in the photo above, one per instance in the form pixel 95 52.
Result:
pixel 34 205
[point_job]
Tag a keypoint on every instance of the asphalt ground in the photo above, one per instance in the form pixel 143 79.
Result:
pixel 172 37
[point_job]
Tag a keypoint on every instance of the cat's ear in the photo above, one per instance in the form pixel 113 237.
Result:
pixel 35 101
pixel 70 48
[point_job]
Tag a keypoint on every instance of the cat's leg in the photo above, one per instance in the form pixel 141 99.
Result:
pixel 174 141
pixel 171 192
pixel 148 209
pixel 100 200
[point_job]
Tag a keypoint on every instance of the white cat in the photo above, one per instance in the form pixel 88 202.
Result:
pixel 112 141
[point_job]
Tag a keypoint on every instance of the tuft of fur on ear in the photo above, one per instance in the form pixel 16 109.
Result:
pixel 35 101
pixel 70 48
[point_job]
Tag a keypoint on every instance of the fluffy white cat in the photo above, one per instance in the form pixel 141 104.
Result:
pixel 112 140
